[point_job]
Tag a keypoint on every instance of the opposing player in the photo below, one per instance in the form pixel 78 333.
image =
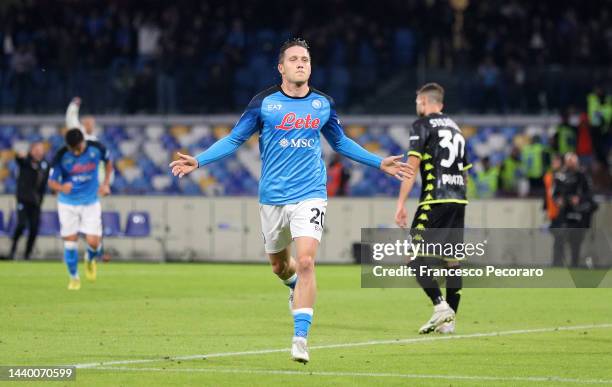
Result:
pixel 74 175
pixel 87 124
pixel 292 192
pixel 437 148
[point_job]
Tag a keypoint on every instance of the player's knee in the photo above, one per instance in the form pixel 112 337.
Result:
pixel 305 263
pixel 93 243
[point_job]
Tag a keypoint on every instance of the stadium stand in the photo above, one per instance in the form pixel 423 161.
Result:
pixel 201 57
pixel 141 160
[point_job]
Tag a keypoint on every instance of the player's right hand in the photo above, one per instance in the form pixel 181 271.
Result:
pixel 66 188
pixel 401 217
pixel 184 165
pixel 393 166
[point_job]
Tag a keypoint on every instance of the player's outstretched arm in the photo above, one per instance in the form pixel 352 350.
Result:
pixel 185 164
pixel 392 165
pixel 242 131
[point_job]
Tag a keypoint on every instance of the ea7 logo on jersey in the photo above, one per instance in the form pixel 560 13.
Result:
pixel 291 121
pixel 274 106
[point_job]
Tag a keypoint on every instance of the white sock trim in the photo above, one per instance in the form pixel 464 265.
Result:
pixel 290 280
pixel 97 249
pixel 309 311
pixel 71 245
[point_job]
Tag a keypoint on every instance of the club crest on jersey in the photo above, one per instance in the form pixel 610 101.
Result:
pixel 291 121
pixel 316 103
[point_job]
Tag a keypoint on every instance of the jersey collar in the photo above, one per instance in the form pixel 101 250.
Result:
pixel 289 96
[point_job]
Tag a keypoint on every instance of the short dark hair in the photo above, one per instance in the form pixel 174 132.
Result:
pixel 434 92
pixel 74 137
pixel 291 43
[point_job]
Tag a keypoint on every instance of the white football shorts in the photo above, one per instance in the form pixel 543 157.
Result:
pixel 86 219
pixel 281 224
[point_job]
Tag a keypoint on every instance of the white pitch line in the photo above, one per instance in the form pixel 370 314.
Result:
pixel 345 345
pixel 534 379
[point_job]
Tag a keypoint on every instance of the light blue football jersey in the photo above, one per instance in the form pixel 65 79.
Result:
pixel 290 131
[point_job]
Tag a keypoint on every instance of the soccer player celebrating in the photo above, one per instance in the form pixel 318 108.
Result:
pixel 88 126
pixel 437 148
pixel 292 190
pixel 74 175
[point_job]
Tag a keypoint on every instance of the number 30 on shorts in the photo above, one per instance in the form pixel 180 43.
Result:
pixel 319 217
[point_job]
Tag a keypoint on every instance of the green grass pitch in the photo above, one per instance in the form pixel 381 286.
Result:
pixel 157 312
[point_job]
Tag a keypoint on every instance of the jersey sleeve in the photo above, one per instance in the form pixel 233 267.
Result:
pixel 55 173
pixel 246 126
pixel 418 139
pixel 334 134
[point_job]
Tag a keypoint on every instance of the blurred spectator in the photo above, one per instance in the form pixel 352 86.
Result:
pixel 23 63
pixel 488 74
pixel 166 77
pixel 143 95
pixel 121 84
pixel 584 142
pixel 574 197
pixel 338 177
pixel 510 172
pixel 530 56
pixel 534 159
pixel 148 38
pixel 599 107
pixel 550 206
pixel 564 139
pixel 486 180
pixel 31 186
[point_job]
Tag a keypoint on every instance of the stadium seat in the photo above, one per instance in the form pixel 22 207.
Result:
pixel 138 225
pixel 49 224
pixel 111 226
pixel 3 231
pixel 12 223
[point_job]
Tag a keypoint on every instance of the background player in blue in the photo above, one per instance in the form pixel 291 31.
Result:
pixel 74 175
pixel 292 192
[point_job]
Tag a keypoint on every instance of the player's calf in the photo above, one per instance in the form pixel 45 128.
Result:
pixel 71 258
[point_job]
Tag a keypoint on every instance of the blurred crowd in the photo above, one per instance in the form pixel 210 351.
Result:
pixel 529 168
pixel 137 56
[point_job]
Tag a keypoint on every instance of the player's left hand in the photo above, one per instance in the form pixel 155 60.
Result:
pixel 184 165
pixel 394 167
pixel 104 190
